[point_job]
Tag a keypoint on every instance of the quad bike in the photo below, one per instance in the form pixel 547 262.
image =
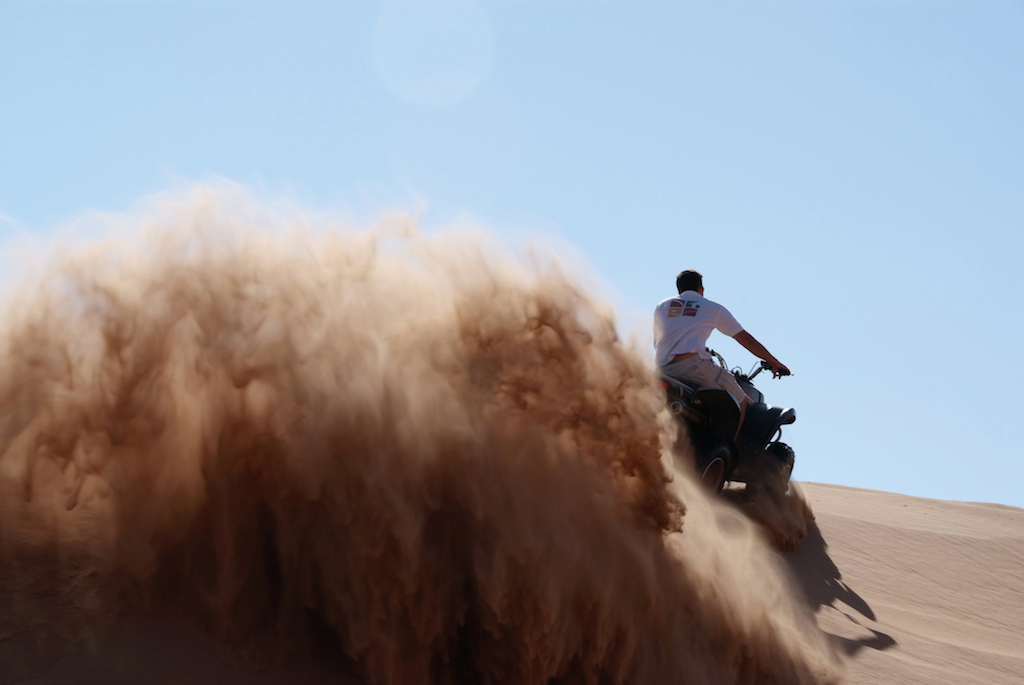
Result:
pixel 754 456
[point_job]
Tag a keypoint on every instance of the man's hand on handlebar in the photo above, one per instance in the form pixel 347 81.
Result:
pixel 777 368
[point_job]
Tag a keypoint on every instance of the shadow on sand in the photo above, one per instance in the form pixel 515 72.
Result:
pixel 822 584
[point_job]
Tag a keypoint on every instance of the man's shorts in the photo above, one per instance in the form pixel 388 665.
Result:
pixel 706 373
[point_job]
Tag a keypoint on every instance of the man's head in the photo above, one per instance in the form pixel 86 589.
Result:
pixel 689 280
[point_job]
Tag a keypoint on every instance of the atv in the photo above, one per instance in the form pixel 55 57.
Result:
pixel 755 456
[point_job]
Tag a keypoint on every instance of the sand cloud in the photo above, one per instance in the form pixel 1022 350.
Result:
pixel 435 452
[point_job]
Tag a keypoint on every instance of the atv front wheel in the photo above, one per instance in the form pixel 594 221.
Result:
pixel 779 459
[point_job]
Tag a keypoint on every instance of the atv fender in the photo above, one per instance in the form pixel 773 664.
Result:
pixel 760 425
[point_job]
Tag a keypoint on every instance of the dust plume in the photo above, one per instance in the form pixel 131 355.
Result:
pixel 784 517
pixel 435 453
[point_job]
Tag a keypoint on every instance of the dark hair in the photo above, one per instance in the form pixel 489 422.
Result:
pixel 689 280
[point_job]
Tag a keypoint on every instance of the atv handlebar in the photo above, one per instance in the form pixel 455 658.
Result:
pixel 765 366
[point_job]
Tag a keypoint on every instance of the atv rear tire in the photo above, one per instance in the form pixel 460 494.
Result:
pixel 713 468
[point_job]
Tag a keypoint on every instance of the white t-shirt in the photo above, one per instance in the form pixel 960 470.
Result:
pixel 683 323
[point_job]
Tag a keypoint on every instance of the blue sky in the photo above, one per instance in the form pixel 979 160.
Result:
pixel 848 175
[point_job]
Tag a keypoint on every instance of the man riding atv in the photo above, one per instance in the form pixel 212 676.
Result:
pixel 682 325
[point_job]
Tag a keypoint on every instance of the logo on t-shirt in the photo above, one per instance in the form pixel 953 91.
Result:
pixel 683 308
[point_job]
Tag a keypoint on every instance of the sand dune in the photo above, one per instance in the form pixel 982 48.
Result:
pixel 914 591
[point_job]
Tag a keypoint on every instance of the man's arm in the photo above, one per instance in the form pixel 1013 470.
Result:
pixel 758 350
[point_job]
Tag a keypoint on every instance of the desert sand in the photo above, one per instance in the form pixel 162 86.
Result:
pixel 916 590
pixel 913 591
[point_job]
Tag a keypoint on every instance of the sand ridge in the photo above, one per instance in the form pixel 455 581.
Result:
pixel 916 590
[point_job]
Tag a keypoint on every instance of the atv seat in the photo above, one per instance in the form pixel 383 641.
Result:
pixel 682 388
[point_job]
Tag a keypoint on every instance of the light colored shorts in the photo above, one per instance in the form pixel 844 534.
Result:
pixel 706 373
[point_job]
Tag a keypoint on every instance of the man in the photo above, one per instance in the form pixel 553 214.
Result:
pixel 682 325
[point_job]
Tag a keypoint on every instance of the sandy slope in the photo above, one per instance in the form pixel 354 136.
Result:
pixel 917 590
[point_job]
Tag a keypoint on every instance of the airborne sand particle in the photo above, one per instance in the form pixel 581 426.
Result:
pixel 442 455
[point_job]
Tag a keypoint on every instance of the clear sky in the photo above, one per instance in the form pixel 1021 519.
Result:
pixel 848 174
